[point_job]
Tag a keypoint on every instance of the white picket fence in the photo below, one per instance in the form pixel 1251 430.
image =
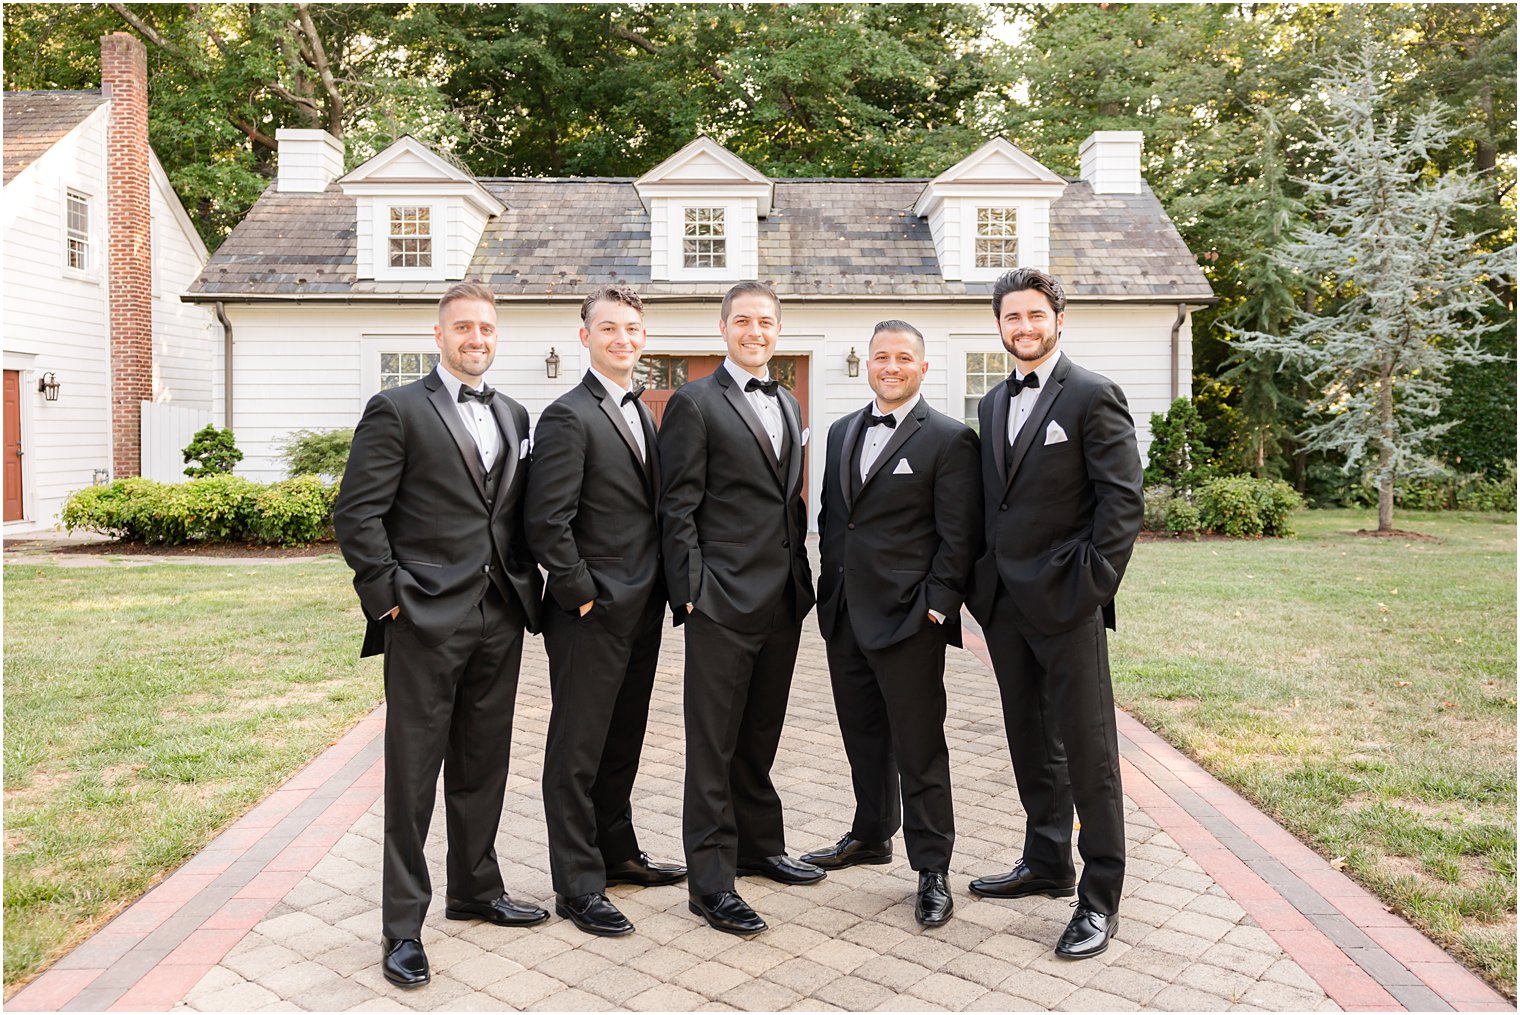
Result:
pixel 166 429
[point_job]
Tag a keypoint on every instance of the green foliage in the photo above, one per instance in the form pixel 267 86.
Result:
pixel 215 449
pixel 318 452
pixel 1454 492
pixel 1178 457
pixel 1243 506
pixel 216 508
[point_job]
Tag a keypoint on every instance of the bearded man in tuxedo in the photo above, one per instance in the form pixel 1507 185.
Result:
pixel 428 517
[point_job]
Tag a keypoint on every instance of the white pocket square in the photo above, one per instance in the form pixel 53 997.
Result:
pixel 1054 434
pixel 807 432
pixel 903 468
pixel 522 449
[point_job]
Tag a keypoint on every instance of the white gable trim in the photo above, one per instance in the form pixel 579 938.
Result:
pixel 997 164
pixel 177 207
pixel 426 171
pixel 706 165
pixel 99 112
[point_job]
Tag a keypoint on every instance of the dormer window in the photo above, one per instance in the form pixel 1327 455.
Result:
pixel 411 236
pixel 78 230
pixel 997 242
pixel 704 242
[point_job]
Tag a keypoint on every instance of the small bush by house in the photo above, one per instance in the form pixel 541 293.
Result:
pixel 214 508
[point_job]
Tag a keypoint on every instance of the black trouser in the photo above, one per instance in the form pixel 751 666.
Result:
pixel 737 684
pixel 891 707
pixel 1058 708
pixel 600 683
pixel 448 706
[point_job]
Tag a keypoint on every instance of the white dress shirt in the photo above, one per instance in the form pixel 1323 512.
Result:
pixel 767 407
pixel 1022 404
pixel 876 437
pixel 478 421
pixel 629 409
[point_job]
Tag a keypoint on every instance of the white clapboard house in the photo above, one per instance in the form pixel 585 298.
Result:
pixel 330 282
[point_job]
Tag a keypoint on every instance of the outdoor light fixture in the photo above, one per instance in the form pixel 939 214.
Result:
pixel 852 363
pixel 49 386
pixel 551 364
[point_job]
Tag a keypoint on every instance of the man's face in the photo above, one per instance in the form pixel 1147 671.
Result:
pixel 466 335
pixel 614 332
pixel 895 369
pixel 1029 326
pixel 753 325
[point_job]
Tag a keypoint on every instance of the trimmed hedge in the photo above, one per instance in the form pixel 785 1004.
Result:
pixel 1238 506
pixel 218 508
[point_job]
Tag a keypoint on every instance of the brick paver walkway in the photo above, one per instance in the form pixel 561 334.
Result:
pixel 1222 908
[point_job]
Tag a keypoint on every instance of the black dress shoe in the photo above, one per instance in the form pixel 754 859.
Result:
pixel 503 912
pixel 403 962
pixel 727 912
pixel 1022 881
pixel 934 901
pixel 594 914
pixel 848 852
pixel 1087 934
pixel 781 868
pixel 646 872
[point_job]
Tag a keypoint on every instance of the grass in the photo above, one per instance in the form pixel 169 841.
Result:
pixel 147 707
pixel 1362 691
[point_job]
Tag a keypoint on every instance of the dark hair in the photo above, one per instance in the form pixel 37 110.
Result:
pixel 1020 279
pixel 466 291
pixel 612 294
pixel 899 328
pixel 749 289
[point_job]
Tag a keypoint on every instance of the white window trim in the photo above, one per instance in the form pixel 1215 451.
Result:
pixel 93 239
pixel 678 270
pixel 956 377
pixel 372 346
pixel 969 209
pixel 437 212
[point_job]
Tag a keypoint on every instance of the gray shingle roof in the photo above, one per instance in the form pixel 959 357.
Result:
pixel 823 237
pixel 35 121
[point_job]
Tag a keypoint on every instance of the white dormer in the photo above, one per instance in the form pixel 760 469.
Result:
pixel 704 205
pixel 990 212
pixel 420 217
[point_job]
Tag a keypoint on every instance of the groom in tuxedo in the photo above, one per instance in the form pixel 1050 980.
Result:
pixel 429 519
pixel 1061 480
pixel 591 522
pixel 899 527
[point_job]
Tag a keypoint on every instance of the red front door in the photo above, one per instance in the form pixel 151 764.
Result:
pixel 12 427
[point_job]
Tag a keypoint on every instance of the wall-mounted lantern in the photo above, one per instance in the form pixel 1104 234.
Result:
pixel 852 363
pixel 551 364
pixel 49 386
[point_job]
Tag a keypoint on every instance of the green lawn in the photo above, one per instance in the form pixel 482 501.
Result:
pixel 147 707
pixel 1362 691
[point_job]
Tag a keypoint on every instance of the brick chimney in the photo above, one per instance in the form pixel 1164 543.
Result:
pixel 129 264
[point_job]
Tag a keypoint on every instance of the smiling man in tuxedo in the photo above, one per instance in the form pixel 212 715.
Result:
pixel 591 522
pixel 899 528
pixel 735 529
pixel 1061 478
pixel 428 518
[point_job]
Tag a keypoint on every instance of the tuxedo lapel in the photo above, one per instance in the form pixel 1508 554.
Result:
pixel 651 452
pixel 1034 424
pixel 614 411
pixel 468 449
pixel 737 399
pixel 907 428
pixel 999 430
pixel 793 416
pixel 511 452
pixel 847 458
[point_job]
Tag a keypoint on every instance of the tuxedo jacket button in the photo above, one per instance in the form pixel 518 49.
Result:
pixel 786 544
pixel 1002 507
pixel 850 526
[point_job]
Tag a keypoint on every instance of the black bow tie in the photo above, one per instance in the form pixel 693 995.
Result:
pixel 889 421
pixel 483 395
pixel 633 396
pixel 1031 380
pixel 756 384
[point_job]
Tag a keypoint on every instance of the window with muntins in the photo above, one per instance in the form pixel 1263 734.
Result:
pixel 984 371
pixel 704 239
pixel 398 368
pixel 411 237
pixel 997 244
pixel 78 227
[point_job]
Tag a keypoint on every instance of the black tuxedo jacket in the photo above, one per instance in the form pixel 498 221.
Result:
pixel 589 512
pixel 905 544
pixel 1061 515
pixel 734 525
pixel 414 519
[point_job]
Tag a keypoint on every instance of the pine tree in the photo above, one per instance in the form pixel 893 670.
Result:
pixel 1397 290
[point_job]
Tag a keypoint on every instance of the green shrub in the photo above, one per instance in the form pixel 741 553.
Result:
pixel 218 508
pixel 317 452
pixel 297 510
pixel 215 449
pixel 1178 456
pixel 1183 518
pixel 108 509
pixel 1158 504
pixel 1458 492
pixel 1276 501
pixel 1243 506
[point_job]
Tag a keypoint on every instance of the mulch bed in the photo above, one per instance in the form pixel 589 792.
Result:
pixel 1418 537
pixel 190 550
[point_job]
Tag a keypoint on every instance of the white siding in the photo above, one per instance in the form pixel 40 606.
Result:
pixel 60 318
pixel 184 338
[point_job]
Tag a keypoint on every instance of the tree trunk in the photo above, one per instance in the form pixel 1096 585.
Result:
pixel 1385 450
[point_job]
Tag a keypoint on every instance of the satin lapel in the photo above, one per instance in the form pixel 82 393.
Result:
pixel 512 449
pixel 847 458
pixel 999 427
pixel 907 428
pixel 614 412
pixel 1037 416
pixel 793 416
pixel 651 454
pixel 747 413
pixel 468 449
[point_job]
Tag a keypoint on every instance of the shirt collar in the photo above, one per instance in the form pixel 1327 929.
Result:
pixel 901 412
pixel 451 383
pixel 1044 370
pixel 614 389
pixel 742 375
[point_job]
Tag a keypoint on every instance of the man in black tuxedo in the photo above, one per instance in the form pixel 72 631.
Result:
pixel 735 529
pixel 899 527
pixel 590 517
pixel 1061 477
pixel 428 518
